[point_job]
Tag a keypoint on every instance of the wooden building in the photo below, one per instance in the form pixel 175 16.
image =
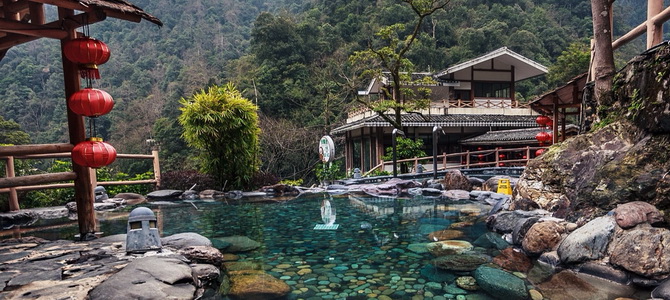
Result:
pixel 468 99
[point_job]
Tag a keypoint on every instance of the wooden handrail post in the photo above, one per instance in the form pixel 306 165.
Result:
pixel 13 197
pixel 467 159
pixel 157 168
pixel 527 155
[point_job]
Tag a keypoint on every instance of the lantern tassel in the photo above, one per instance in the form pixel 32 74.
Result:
pixel 89 71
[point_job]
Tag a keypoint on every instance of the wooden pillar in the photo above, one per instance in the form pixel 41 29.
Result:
pixel 13 197
pixel 654 31
pixel 83 187
pixel 157 168
pixel 555 121
pixel 563 125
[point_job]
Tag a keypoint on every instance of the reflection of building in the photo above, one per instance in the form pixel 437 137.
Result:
pixel 412 209
pixel 467 99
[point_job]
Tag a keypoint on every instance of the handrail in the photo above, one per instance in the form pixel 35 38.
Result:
pixel 468 163
pixel 478 102
pixel 11 183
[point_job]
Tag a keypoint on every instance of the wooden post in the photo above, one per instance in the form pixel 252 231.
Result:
pixel 467 159
pixel 83 189
pixel 654 30
pixel 13 197
pixel 157 168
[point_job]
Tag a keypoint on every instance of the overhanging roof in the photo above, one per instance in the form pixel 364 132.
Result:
pixel 512 136
pixel 415 120
pixel 568 95
pixel 24 20
pixel 524 67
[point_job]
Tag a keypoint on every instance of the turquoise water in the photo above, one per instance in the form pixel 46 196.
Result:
pixel 367 256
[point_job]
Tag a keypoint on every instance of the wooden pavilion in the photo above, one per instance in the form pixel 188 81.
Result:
pixel 22 21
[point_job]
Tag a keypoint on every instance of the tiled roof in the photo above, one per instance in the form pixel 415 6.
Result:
pixel 416 120
pixel 525 135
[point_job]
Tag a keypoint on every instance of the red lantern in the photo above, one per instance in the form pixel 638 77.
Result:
pixel 88 53
pixel 542 137
pixel 542 120
pixel 90 102
pixel 93 153
pixel 501 156
pixel 480 156
pixel 539 152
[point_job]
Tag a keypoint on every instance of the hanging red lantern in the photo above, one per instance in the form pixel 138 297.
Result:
pixel 549 124
pixel 93 153
pixel 501 156
pixel 90 102
pixel 88 53
pixel 539 152
pixel 542 137
pixel 542 120
pixel 480 156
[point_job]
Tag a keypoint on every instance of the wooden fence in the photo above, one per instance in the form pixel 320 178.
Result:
pixel 12 184
pixel 470 159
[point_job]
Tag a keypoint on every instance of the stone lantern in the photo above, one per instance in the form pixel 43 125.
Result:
pixel 142 232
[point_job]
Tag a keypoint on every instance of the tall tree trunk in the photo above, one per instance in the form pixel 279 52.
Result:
pixel 603 60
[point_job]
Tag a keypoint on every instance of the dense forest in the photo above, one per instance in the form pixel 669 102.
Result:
pixel 290 57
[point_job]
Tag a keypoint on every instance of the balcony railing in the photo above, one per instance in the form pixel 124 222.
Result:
pixel 443 106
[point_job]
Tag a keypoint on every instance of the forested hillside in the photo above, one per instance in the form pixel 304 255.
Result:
pixel 289 56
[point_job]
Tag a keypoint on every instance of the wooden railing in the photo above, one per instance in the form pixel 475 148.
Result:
pixel 470 159
pixel 11 183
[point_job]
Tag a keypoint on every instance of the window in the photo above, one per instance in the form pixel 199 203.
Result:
pixel 462 94
pixel 493 89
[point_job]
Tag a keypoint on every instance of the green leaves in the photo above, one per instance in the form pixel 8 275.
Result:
pixel 224 125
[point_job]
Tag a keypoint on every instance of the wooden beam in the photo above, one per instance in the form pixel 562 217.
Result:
pixel 120 15
pixel 15 7
pixel 9 15
pixel 654 31
pixel 34 149
pixel 36 13
pixel 29 29
pixel 36 179
pixel 72 22
pixel 65 4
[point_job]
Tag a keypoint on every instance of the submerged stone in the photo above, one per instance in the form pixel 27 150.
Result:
pixel 500 284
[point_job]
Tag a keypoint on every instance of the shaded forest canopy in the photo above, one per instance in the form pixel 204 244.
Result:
pixel 287 56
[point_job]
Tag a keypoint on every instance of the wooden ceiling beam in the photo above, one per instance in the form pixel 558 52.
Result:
pixel 76 21
pixel 28 29
pixel 65 4
pixel 15 7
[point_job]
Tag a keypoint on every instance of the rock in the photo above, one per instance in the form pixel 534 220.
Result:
pixel 605 272
pixel 550 258
pixel 419 248
pixel 491 240
pixel 643 250
pixel 152 277
pixel 446 234
pixel 476 181
pixel 22 217
pixel 239 243
pixel 220 244
pixel 455 180
pixel 506 221
pixel 461 262
pixel 205 275
pixel 588 242
pixel 521 228
pixel 513 260
pixel 566 285
pixel 542 236
pixel 189 195
pixel 164 195
pixel 535 295
pixel 185 239
pixel 442 248
pixel 211 194
pixel 131 198
pixel 280 189
pixel 257 287
pixel 202 254
pixel 500 284
pixel 436 275
pixel 491 184
pixel 467 283
pixel 662 291
pixel 637 212
pixel 456 195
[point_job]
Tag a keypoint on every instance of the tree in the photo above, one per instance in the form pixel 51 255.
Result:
pixel 224 125
pixel 390 55
pixel 406 148
pixel 603 55
pixel 572 62
pixel 11 133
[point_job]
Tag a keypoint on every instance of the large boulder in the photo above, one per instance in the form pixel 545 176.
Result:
pixel 513 260
pixel 202 254
pixel 455 180
pixel 643 250
pixel 152 277
pixel 588 242
pixel 461 262
pixel 448 247
pixel 637 212
pixel 256 286
pixel 543 236
pixel 165 195
pixel 500 284
pixel 185 239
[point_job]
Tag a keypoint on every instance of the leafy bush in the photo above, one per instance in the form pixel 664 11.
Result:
pixel 185 179
pixel 329 171
pixel 291 182
pixel 406 148
pixel 261 179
